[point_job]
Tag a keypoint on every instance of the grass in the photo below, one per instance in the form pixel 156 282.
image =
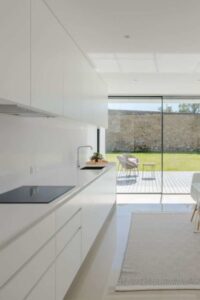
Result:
pixel 171 161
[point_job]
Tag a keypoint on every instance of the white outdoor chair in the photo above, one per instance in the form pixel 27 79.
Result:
pixel 133 160
pixel 127 166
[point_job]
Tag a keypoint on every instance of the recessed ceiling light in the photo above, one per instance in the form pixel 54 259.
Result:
pixel 127 36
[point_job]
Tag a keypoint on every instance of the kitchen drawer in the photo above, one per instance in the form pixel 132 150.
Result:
pixel 67 265
pixel 21 284
pixel 20 250
pixel 67 210
pixel 67 232
pixel 45 289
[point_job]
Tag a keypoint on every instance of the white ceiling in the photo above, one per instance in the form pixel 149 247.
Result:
pixel 161 54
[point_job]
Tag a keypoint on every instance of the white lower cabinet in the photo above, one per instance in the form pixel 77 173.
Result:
pixel 66 233
pixel 45 289
pixel 20 285
pixel 66 212
pixel 46 258
pixel 97 201
pixel 67 265
pixel 15 255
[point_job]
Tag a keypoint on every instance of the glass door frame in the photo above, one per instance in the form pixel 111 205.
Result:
pixel 162 101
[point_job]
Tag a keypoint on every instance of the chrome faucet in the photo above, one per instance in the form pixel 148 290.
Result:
pixel 78 150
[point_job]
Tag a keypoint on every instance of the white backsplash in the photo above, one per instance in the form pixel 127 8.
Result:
pixel 41 150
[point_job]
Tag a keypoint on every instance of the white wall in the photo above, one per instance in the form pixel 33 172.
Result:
pixel 47 144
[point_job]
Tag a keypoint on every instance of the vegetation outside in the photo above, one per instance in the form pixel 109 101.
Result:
pixel 171 161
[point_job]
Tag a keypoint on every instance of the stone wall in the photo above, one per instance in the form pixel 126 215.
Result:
pixel 130 131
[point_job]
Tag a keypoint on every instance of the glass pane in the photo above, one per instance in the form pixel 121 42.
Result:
pixel 181 141
pixel 133 141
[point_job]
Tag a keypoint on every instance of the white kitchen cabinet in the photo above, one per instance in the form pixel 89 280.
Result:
pixel 42 262
pixel 101 100
pixel 21 284
pixel 67 265
pixel 42 67
pixel 85 93
pixel 45 289
pixel 97 201
pixel 15 51
pixel 73 80
pixel 88 101
pixel 94 108
pixel 17 253
pixel 66 211
pixel 67 232
pixel 47 38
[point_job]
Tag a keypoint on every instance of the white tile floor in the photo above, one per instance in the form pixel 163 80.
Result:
pixel 96 279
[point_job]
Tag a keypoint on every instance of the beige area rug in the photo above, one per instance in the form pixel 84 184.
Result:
pixel 162 253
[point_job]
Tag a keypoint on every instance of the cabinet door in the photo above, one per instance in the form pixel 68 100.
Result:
pixel 101 103
pixel 94 100
pixel 47 37
pixel 67 265
pixel 20 285
pixel 85 93
pixel 98 199
pixel 45 289
pixel 15 51
pixel 17 253
pixel 73 77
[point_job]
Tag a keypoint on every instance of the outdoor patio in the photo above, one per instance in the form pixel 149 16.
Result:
pixel 173 182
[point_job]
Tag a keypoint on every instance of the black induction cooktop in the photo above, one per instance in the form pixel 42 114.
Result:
pixel 34 194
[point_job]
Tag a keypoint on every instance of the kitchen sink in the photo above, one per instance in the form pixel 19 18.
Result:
pixel 92 168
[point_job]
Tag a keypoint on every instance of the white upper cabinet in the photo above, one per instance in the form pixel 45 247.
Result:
pixel 47 37
pixel 94 108
pixel 101 100
pixel 85 94
pixel 41 66
pixel 15 51
pixel 73 80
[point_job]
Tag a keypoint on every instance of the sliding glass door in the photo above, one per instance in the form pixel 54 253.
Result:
pixel 155 142
pixel 134 142
pixel 181 143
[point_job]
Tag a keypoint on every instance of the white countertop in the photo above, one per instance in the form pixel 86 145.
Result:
pixel 17 218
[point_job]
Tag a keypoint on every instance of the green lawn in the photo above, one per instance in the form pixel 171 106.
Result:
pixel 172 161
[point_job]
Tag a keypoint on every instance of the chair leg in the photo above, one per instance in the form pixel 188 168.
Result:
pixel 197 223
pixel 194 211
pixel 119 170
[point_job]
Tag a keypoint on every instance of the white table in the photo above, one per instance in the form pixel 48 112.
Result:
pixel 151 166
